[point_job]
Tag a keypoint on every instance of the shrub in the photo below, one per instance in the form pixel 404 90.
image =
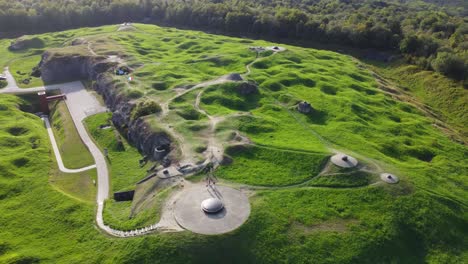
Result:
pixel 144 108
pixel 135 94
pixel 450 65
pixel 189 113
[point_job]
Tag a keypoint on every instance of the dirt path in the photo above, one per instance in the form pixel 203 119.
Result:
pixel 90 49
pixel 187 155
pixel 182 92
pixel 80 106
pixel 215 149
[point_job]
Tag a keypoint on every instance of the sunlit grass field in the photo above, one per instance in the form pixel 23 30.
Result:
pixel 329 219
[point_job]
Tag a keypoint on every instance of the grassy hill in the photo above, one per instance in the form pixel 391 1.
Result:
pixel 298 216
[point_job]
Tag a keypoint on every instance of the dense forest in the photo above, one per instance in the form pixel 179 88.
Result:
pixel 432 33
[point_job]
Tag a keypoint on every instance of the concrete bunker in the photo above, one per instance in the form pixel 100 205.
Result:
pixel 344 161
pixel 389 178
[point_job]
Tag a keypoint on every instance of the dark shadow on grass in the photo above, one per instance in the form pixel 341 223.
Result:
pixel 318 117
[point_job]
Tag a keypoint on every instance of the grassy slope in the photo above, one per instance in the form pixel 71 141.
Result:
pixel 123 163
pixel 119 214
pixel 74 153
pixel 76 185
pixel 125 172
pixel 41 224
pixel 22 68
pixel 24 60
pixel 263 166
pixel 422 221
pixel 446 97
pixel 356 115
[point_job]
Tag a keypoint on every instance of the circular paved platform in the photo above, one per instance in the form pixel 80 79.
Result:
pixel 389 178
pixel 189 214
pixel 344 161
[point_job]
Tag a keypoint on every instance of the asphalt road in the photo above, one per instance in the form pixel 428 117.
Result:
pixel 81 104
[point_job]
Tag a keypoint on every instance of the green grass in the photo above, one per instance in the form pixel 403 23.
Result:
pixel 334 219
pixel 446 97
pixel 299 223
pixel 352 179
pixel 225 99
pixel 123 159
pixel 80 186
pixel 74 153
pixel 271 167
pixel 184 106
pixel 121 216
pixel 21 70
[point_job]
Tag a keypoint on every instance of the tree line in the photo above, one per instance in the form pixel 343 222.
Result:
pixel 432 36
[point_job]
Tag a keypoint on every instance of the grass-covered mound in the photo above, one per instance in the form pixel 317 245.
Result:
pixel 344 180
pixel 184 107
pixel 227 98
pixel 331 219
pixel 270 167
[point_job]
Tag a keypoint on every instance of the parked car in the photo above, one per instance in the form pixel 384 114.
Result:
pixel 2 78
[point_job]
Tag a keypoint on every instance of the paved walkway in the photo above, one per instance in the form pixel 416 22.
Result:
pixel 58 157
pixel 81 104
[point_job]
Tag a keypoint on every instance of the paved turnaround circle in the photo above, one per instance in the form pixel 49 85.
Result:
pixel 189 214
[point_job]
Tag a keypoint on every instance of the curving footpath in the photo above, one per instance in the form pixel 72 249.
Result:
pixel 82 104
pixel 58 157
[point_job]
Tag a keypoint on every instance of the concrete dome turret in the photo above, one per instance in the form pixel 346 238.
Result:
pixel 344 161
pixel 212 205
pixel 389 178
